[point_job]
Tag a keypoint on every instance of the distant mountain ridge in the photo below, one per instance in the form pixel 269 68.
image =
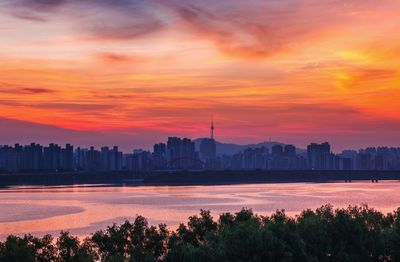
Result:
pixel 230 148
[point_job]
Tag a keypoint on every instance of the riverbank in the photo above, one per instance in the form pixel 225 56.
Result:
pixel 176 178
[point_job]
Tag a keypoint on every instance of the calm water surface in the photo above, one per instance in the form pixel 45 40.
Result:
pixel 85 209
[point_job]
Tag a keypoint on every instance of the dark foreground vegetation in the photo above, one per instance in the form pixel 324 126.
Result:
pixel 327 234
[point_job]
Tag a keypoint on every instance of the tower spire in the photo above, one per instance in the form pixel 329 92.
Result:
pixel 212 128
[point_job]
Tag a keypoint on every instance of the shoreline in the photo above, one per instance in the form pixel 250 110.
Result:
pixel 192 178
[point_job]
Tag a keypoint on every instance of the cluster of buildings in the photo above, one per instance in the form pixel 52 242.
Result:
pixel 316 157
pixel 176 154
pixel 280 157
pixel 181 154
pixel 35 157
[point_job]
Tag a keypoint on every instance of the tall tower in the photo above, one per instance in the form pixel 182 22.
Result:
pixel 208 148
pixel 212 129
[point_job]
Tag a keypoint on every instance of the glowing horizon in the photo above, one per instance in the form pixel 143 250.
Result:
pixel 293 70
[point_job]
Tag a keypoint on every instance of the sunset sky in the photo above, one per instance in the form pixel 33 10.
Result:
pixel 132 72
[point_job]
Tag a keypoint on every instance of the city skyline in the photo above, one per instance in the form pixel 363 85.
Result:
pixel 199 154
pixel 135 72
pixel 46 135
pixel 184 154
pixel 197 140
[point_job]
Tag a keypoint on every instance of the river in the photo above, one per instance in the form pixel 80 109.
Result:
pixel 85 209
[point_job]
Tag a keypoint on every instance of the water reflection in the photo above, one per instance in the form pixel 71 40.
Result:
pixel 84 209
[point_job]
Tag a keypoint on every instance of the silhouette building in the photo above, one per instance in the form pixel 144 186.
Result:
pixel 181 153
pixel 159 155
pixel 319 156
pixel 208 147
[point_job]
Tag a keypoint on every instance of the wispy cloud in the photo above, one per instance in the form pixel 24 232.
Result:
pixel 24 90
pixel 252 29
pixel 117 58
pixel 30 17
pixel 28 90
pixel 107 20
pixel 74 107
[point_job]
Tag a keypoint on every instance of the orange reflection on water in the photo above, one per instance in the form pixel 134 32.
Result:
pixel 85 209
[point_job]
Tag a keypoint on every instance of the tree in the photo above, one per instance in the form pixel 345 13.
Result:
pixel 69 249
pixel 17 249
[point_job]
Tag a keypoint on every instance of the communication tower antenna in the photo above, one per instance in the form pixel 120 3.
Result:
pixel 212 128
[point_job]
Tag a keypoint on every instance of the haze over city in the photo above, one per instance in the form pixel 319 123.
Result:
pixel 131 73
